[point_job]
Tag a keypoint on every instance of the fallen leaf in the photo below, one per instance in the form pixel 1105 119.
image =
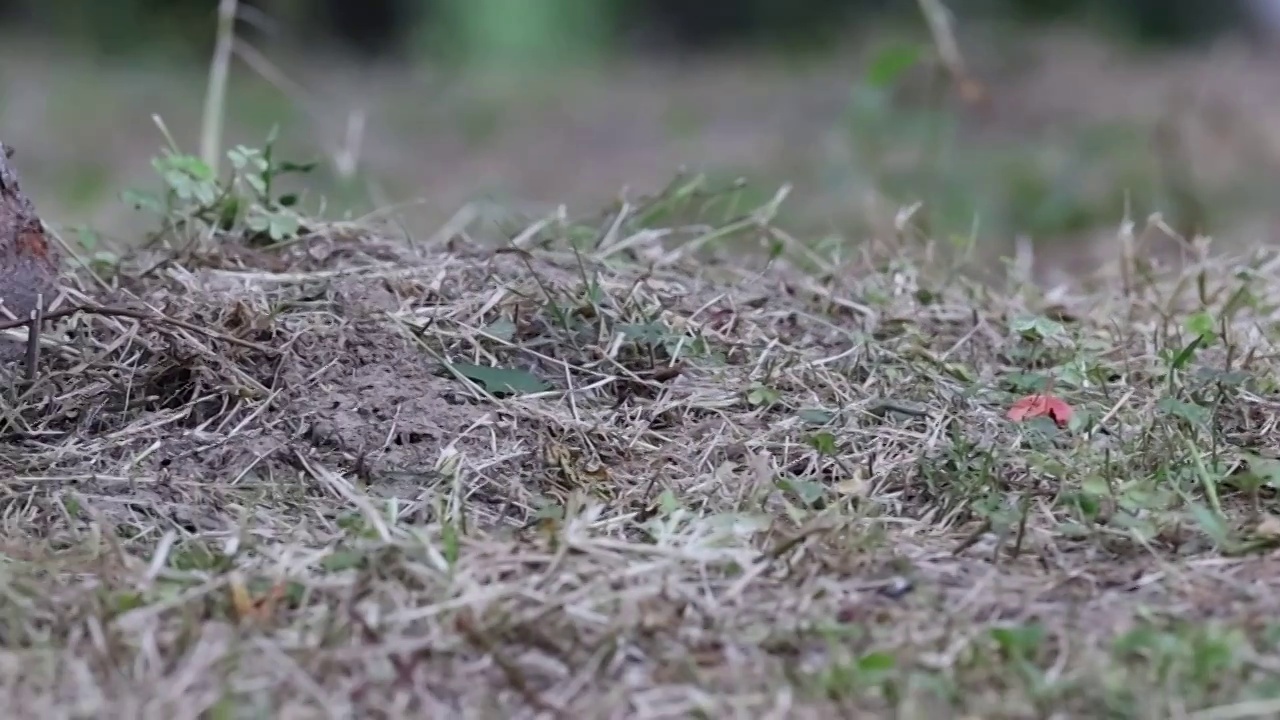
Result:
pixel 852 487
pixel 1034 406
pixel 249 608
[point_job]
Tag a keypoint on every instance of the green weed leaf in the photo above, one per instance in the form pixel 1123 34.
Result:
pixel 890 64
pixel 815 416
pixel 502 381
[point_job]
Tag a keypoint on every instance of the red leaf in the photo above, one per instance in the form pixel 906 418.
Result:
pixel 1034 406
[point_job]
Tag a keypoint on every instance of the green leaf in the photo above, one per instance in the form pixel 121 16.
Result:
pixel 1184 355
pixel 190 189
pixel 1026 382
pixel 815 416
pixel 1034 327
pixel 143 201
pixel 1193 414
pixel 1266 467
pixel 257 222
pixel 340 560
pixel 876 663
pixel 824 443
pixel 1201 324
pixel 1019 642
pixel 808 492
pixel 1141 641
pixel 187 165
pixel 88 238
pixel 280 225
pixel 258 184
pixel 72 504
pixel 284 226
pixel 1230 378
pixel 449 543
pixel 668 502
pixel 502 329
pixel 1212 525
pixel 647 332
pixel 224 709
pixel 1075 374
pixel 188 177
pixel 502 380
pixel 1095 485
pixel 761 394
pixel 890 63
pixel 1080 421
pixel 123 601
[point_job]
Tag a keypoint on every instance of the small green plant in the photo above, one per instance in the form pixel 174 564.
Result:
pixel 762 395
pixel 195 202
pixel 851 677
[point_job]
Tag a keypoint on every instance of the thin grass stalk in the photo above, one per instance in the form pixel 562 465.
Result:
pixel 215 99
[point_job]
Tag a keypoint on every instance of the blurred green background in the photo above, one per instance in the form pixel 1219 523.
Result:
pixel 1095 107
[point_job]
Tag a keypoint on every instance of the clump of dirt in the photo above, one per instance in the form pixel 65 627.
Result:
pixel 340 354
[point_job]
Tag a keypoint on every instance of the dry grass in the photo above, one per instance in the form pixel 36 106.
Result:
pixel 746 491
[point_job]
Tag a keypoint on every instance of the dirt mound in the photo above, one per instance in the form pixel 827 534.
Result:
pixel 363 476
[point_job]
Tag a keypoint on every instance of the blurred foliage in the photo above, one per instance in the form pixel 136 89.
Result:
pixel 1151 21
pixel 114 27
pixel 1066 186
pixel 521 31
pixel 907 151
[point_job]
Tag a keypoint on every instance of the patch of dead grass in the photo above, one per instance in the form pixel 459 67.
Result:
pixel 739 489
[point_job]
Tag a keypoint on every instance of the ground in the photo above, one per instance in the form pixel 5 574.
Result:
pixel 713 451
pixel 614 467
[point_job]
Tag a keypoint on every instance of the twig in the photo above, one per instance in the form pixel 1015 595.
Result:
pixel 884 407
pixel 789 544
pixel 216 93
pixel 142 315
pixel 973 538
pixel 939 20
pixel 33 338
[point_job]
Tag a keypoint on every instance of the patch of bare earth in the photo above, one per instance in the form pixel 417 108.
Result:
pixel 292 489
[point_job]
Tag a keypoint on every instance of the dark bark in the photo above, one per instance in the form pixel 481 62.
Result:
pixel 28 261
